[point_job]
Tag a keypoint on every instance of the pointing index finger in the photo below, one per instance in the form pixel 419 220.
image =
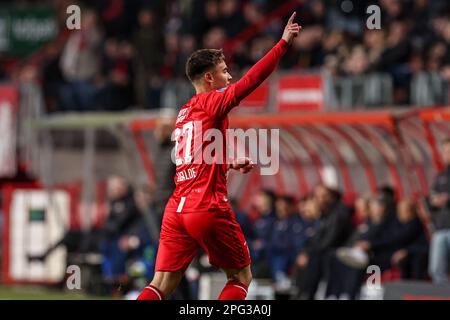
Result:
pixel 291 19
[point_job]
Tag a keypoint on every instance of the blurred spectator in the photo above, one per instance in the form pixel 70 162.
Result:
pixel 80 64
pixel 164 165
pixel 334 228
pixel 345 279
pixel 314 13
pixel 214 38
pixel 281 246
pixel 263 217
pixel 304 226
pixel 188 44
pixel 138 245
pixel 262 204
pixel 212 14
pixel 306 223
pixel 252 13
pixel 389 196
pixel 394 56
pixel 362 211
pixel 440 239
pixel 52 78
pixel 116 17
pixel 231 19
pixel 347 266
pixel 380 234
pixel 115 91
pixel 393 10
pixel 123 214
pixel 307 48
pixel 374 41
pixel 148 41
pixel 172 47
pixel 335 48
pixel 411 258
pixel 245 223
pixel 109 59
pixel 357 62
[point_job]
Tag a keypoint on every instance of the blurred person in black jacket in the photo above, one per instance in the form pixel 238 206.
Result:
pixel 148 41
pixel 305 223
pixel 343 279
pixel 411 257
pixel 137 246
pixel 264 205
pixel 245 223
pixel 334 228
pixel 123 213
pixel 281 245
pixel 440 239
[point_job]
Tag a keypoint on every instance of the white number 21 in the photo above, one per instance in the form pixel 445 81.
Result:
pixel 186 132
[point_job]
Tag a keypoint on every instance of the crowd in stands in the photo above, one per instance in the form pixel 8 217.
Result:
pixel 296 244
pixel 320 240
pixel 128 53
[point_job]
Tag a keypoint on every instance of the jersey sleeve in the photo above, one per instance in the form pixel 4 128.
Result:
pixel 220 102
pixel 260 71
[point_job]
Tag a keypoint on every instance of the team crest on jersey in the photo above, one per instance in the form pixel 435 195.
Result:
pixel 221 89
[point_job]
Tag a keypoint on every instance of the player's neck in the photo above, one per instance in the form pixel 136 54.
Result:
pixel 201 88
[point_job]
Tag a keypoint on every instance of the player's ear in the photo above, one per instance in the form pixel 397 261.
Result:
pixel 208 77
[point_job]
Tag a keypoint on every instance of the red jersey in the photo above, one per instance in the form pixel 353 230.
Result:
pixel 201 185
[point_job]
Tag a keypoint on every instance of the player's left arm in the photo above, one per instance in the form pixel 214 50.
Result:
pixel 229 97
pixel 267 64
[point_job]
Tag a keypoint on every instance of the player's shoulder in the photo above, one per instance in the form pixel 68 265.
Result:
pixel 218 95
pixel 192 109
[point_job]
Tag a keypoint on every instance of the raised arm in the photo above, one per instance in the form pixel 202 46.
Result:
pixel 220 102
pixel 265 66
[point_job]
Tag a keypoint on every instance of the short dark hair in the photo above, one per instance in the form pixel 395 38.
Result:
pixel 202 61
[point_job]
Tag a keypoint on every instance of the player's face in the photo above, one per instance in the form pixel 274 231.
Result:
pixel 221 76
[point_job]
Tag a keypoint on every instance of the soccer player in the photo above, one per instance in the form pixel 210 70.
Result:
pixel 198 213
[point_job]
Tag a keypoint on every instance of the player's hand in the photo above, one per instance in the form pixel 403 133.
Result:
pixel 244 164
pixel 291 30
